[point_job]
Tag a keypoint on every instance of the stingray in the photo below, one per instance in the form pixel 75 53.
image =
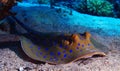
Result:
pixel 60 48
pixel 57 47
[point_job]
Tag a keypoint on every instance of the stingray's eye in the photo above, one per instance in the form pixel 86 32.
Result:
pixel 65 42
pixel 74 37
pixel 87 35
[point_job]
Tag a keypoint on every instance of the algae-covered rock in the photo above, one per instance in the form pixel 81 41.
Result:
pixel 44 19
pixel 96 7
pixel 44 1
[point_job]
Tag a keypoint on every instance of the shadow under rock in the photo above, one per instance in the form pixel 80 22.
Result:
pixel 16 47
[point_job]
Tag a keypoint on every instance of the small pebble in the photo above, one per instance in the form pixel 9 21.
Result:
pixel 21 69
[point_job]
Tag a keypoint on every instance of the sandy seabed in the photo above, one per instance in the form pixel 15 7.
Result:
pixel 10 61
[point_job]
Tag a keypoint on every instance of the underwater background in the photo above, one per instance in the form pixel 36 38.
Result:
pixel 99 17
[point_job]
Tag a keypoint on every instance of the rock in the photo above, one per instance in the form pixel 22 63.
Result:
pixel 44 19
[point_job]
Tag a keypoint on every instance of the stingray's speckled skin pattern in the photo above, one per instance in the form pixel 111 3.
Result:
pixel 59 49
